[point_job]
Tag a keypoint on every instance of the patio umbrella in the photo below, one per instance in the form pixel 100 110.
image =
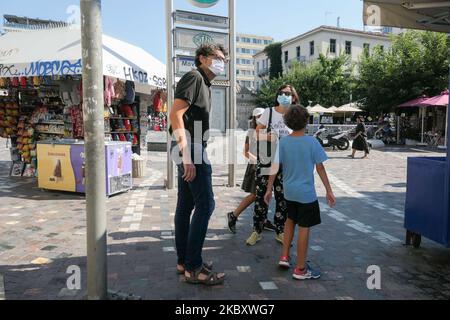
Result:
pixel 418 102
pixel 319 109
pixel 348 108
pixel 440 100
pixel 430 15
pixel 414 103
pixel 333 108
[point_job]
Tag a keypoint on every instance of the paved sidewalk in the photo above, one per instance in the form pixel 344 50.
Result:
pixel 42 233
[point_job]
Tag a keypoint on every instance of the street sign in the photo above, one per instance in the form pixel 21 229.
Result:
pixel 191 39
pixel 202 20
pixel 184 64
pixel 203 3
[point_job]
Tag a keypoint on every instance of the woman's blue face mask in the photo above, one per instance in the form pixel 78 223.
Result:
pixel 284 100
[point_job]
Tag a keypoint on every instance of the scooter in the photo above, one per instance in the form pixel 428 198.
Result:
pixel 338 140
pixel 386 134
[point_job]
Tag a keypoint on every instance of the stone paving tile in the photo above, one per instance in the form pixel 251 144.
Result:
pixel 141 257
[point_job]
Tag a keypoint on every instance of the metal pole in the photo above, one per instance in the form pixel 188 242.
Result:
pixel 170 183
pixel 446 128
pixel 447 134
pixel 91 41
pixel 232 111
pixel 424 110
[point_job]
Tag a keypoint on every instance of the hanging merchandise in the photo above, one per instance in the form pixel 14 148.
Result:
pixel 26 143
pixel 163 96
pixel 157 102
pixel 76 114
pixel 9 114
pixel 36 81
pixel 130 92
pixel 15 82
pixel 109 90
pixel 23 82
pixel 119 90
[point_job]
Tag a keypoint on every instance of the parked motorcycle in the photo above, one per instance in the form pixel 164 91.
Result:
pixel 386 134
pixel 337 140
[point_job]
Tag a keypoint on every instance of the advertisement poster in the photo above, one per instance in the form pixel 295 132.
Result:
pixel 55 168
pixel 118 168
pixel 78 165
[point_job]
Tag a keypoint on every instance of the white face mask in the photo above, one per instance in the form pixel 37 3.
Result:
pixel 217 67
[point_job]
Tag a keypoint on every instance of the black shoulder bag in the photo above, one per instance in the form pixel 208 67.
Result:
pixel 265 161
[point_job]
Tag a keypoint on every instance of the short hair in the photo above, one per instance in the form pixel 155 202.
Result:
pixel 208 49
pixel 296 117
pixel 295 98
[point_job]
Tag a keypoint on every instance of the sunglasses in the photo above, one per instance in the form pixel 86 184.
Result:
pixel 214 56
pixel 287 94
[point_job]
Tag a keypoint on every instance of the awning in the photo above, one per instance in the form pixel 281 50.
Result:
pixel 432 15
pixel 414 103
pixel 51 52
pixel 440 100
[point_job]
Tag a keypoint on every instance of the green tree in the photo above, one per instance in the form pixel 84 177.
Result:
pixel 328 81
pixel 416 64
pixel 273 52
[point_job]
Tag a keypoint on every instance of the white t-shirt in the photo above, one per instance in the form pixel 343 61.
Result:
pixel 278 126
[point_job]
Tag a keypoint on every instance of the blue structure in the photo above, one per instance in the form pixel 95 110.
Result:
pixel 427 209
pixel 427 201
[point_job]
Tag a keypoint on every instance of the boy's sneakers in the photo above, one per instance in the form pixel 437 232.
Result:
pixel 231 219
pixel 254 238
pixel 306 274
pixel 269 226
pixel 285 262
pixel 279 237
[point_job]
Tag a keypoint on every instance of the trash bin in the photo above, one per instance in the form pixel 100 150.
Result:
pixel 138 168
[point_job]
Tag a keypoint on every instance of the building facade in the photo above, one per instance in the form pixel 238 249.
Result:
pixel 329 41
pixel 247 46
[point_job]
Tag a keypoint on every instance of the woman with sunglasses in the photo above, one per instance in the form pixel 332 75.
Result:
pixel 270 129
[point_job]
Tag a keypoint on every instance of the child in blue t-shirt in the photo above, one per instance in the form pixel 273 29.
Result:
pixel 299 154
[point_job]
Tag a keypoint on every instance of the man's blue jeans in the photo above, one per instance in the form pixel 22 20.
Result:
pixel 194 196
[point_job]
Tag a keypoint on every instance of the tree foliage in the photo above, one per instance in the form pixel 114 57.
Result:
pixel 417 63
pixel 328 81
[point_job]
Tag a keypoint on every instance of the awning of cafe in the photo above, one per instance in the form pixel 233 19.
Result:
pixel 415 102
pixel 432 15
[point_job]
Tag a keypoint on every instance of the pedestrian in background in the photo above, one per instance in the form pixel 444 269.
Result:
pixel 270 129
pixel 359 142
pixel 299 154
pixel 249 183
